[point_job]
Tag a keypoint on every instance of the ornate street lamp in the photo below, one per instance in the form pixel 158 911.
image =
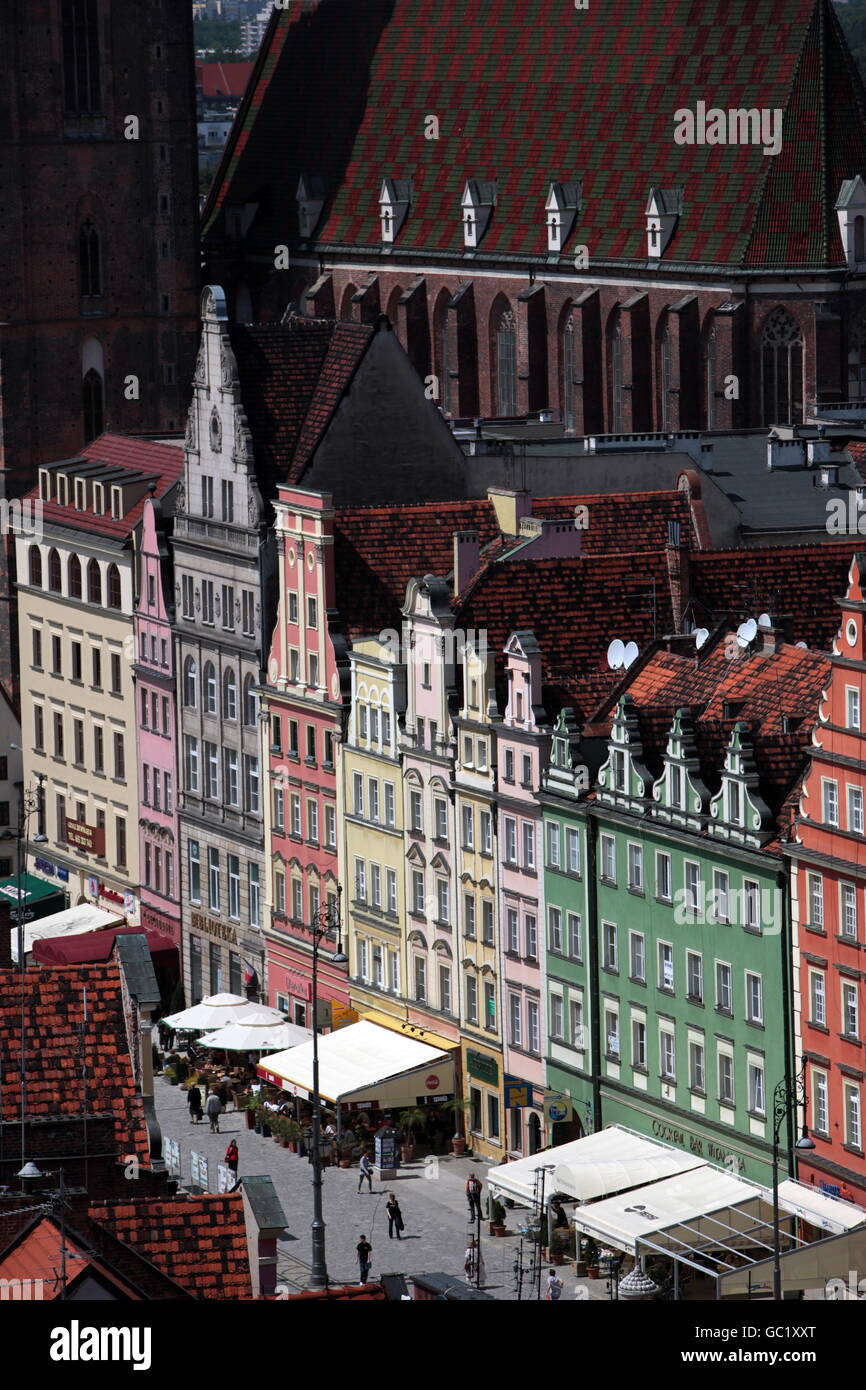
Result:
pixel 327 923
pixel 788 1094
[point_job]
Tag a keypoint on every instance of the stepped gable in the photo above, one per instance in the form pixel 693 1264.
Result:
pixel 527 93
pixel 55 1011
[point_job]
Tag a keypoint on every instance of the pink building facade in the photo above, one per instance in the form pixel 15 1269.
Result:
pixel 156 741
pixel 302 703
pixel 521 746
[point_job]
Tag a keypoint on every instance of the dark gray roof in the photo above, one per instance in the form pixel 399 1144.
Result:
pixel 134 954
pixel 266 1206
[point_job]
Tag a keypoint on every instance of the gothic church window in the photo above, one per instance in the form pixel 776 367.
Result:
pixel 81 84
pixel 782 369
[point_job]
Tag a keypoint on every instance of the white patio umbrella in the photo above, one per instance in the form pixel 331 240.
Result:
pixel 257 1033
pixel 217 1011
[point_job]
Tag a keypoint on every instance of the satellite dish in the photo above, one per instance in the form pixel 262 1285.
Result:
pixel 630 654
pixel 616 655
pixel 803 645
pixel 765 620
pixel 701 635
pixel 747 632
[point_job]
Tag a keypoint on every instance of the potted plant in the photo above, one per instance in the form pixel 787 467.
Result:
pixel 458 1108
pixel 277 1126
pixel 591 1256
pixel 410 1120
pixel 497 1218
pixel 292 1133
pixel 561 1247
pixel 345 1149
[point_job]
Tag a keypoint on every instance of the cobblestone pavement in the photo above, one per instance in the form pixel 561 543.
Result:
pixel 432 1199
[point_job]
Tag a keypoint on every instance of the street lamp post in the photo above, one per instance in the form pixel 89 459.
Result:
pixel 788 1094
pixel 327 921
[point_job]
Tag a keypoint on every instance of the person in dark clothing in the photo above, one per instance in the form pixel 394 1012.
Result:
pixel 473 1196
pixel 365 1250
pixel 193 1100
pixel 395 1216
pixel 560 1215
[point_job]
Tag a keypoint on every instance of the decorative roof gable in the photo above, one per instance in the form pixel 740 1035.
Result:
pixel 680 795
pixel 739 813
pixel 623 780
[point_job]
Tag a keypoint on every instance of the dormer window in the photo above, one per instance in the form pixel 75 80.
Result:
pixel 310 198
pixel 116 504
pixel 851 216
pixel 663 211
pixel 562 206
pixel 80 495
pixel 394 199
pixel 675 787
pixel 63 489
pixel 44 485
pixel 98 499
pixel 478 202
pixel 735 813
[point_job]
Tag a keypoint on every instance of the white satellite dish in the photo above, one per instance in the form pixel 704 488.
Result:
pixel 630 654
pixel 765 620
pixel 803 645
pixel 616 655
pixel 747 632
pixel 701 635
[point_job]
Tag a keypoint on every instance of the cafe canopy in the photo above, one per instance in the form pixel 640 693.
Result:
pixel 218 1010
pixel 611 1160
pixel 257 1031
pixel 364 1062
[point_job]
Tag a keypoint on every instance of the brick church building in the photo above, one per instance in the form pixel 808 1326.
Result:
pixel 98 225
pixel 636 217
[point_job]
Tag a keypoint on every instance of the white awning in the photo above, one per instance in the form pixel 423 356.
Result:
pixel 818 1208
pixel 73 921
pixel 218 1010
pixel 705 1204
pixel 362 1058
pixel 612 1160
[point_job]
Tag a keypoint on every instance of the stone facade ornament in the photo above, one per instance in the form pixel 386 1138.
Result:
pixel 216 431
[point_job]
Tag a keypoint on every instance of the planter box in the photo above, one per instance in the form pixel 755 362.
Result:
pixel 497 1230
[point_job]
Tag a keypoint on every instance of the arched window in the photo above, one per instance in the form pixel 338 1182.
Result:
pixel 113 585
pixel 664 374
pixel 36 566
pixel 89 261
pixel 347 313
pixel 251 702
pixel 94 582
pixel 614 366
pixel 506 363
pixel 567 348
pixel 73 576
pixel 782 369
pixel 210 689
pixel 230 695
pixel 857 359
pixel 55 581
pixel 91 388
pixel 190 682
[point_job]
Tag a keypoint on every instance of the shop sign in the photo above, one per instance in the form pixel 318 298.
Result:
pixel 62 873
pixel 199 922
pixel 44 866
pixel 129 904
pixel 557 1108
pixel 89 838
pixel 342 1015
pixel 696 1144
pixel 517 1094
pixel 432 1083
pixel 298 985
pixel 485 1068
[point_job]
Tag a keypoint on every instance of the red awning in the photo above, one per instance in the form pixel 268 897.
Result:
pixel 96 945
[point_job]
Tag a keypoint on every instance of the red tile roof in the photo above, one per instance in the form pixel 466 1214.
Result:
pixel 358 1292
pixel 200 1242
pixel 55 1011
pixel 218 79
pixel 163 463
pixel 528 92
pixel 293 377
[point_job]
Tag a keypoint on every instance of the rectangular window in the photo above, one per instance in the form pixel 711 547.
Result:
pixel 297 900
pixel 78 741
pixel 557 1018
pixel 39 727
pixel 249 614
pixel 390 805
pixel 373 799
pixel 487 922
pixel 391 890
pixel 280 892
pixel 513 923
pixel 251 783
pixel 855 810
pixel 526 773
pixel 468 822
pixel 531 937
pixel 469 916
pixel 608 859
pixel 637 956
pixel 418 893
pixel 510 840
pixel 492 1116
pixel 313 822
pixel 635 868
pixel 420 979
pixel 554 919
pixel 721 896
pixel 726 1079
pixel 514 1020
pixel 227 489
pixel 207 602
pixel 56 657
pixel 376 886
pixel 578 1041
pixel 692 886
pixel 528 845
pixel 852 706
pixel 611 1033
pixel 76 661
pixel 820 1107
pixel 378 967
pixel 831 803
pixel 311 743
pixel 120 840
pixel 58 735
pixel 234 877
pixel 471 999
pixel 490 1007
pixel 697 1077
pixel 816 900
pixel 695 976
pixel 481 755
pixel 211 771
pixel 194 860
pixel 754 998
pixel 572 845
pixel 723 988
pixel 296 815
pixel 207 507
pixel 853 1129
pixel 848 915
pixel 575 947
pixel 415 812
pixel 756 1088
pixel 850 1011
pixel 191 761
pixel 440 811
pixel 443 900
pixel 508 774
pixel 817 999
pixel 486 826
pixel 638 1043
pixel 330 827
pixel 395 972
pixel 445 989
pixel 553 845
pixel 37 647
pixel 214 901
pixel 667 1056
pixel 666 966
pixel 187 596
pixel 663 877
pixel 610 956
pixel 360 881
pixel 751 905
pixel 279 809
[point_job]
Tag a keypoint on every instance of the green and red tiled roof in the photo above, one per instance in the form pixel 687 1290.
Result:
pixel 528 92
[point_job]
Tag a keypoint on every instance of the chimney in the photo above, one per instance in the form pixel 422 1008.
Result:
pixel 467 558
pixel 677 557
pixel 265 1222
pixel 510 507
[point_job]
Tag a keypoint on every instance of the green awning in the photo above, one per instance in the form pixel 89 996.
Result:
pixel 40 898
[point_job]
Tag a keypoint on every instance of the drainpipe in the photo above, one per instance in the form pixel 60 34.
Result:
pixel 592 953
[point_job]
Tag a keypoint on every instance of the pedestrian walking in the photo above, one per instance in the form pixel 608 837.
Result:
pixel 193 1100
pixel 473 1264
pixel 232 1157
pixel 365 1250
pixel 554 1286
pixel 365 1171
pixel 473 1196
pixel 213 1108
pixel 395 1216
